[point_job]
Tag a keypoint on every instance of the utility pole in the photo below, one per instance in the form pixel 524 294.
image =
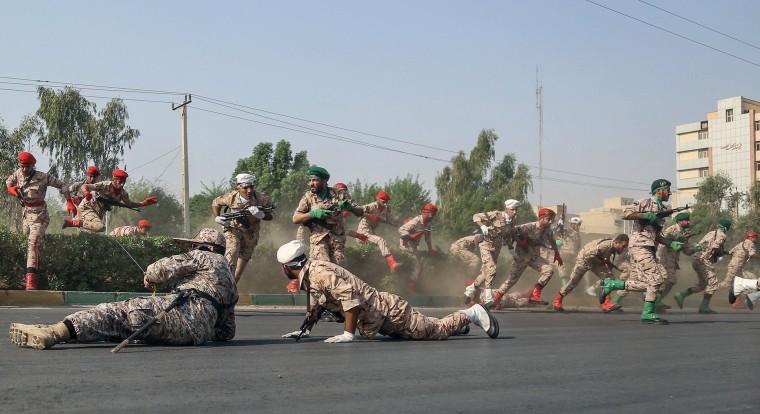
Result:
pixel 185 176
pixel 540 107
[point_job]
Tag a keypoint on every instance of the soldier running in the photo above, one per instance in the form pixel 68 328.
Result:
pixel 91 177
pixel 740 255
pixel 142 228
pixel 375 213
pixel 668 258
pixel 411 233
pixel 463 249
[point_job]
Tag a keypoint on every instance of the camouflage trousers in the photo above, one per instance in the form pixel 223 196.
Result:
pixel 548 255
pixel 330 248
pixel 418 326
pixel 532 258
pixel 706 278
pixel 380 243
pixel 671 278
pixel 92 222
pixel 645 273
pixel 191 323
pixel 414 256
pixel 579 270
pixel 240 247
pixel 35 224
pixel 734 269
pixel 469 258
pixel 488 270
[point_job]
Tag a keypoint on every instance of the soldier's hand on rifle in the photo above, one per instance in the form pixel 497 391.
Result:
pixel 361 237
pixel 484 230
pixel 149 201
pixel 14 190
pixel 559 242
pixel 558 259
pixel 255 212
pixel 295 334
pixel 698 248
pixel 320 213
pixel 342 338
pixel 345 205
pixel 87 195
pixel 415 235
pixel 371 216
pixel 221 220
pixel 71 209
pixel 650 217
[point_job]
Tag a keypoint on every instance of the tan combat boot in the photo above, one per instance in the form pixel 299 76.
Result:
pixel 39 336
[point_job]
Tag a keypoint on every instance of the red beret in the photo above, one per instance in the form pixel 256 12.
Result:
pixel 26 158
pixel 749 235
pixel 430 208
pixel 93 171
pixel 383 196
pixel 119 174
pixel 341 186
pixel 144 223
pixel 546 212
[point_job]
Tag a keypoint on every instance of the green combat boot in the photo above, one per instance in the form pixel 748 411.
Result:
pixel 705 306
pixel 648 315
pixel 608 285
pixel 659 304
pixel 680 296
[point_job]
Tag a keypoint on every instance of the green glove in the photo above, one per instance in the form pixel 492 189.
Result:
pixel 676 245
pixel 320 213
pixel 345 205
pixel 650 217
pixel 559 242
pixel 698 248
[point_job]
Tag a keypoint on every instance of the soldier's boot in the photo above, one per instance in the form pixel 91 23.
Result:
pixel 557 304
pixel 462 331
pixel 292 286
pixel 739 304
pixel 480 316
pixel 612 303
pixel 411 288
pixel 392 263
pixel 31 280
pixel 659 304
pixel 608 285
pixel 704 307
pixel 680 296
pixel 497 300
pixel 648 315
pixel 71 223
pixel 535 297
pixel 740 285
pixel 39 336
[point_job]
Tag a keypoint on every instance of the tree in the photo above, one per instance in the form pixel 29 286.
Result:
pixel 74 133
pixel 470 185
pixel 711 198
pixel 200 204
pixel 408 194
pixel 11 144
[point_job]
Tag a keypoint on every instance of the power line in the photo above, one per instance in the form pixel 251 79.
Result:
pixel 154 159
pixel 96 96
pixel 700 25
pixel 675 34
pixel 105 87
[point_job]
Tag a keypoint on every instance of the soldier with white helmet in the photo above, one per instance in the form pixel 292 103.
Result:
pixel 242 234
pixel 372 312
pixel 205 296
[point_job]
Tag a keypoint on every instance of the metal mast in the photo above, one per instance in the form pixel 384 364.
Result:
pixel 540 107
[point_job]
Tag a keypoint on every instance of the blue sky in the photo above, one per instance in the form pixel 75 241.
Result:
pixel 433 73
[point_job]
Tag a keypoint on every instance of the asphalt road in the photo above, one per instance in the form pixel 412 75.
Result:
pixel 543 362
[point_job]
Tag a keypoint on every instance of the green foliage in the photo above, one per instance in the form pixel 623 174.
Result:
pixel 74 133
pixel 166 216
pixel 11 144
pixel 408 195
pixel 200 204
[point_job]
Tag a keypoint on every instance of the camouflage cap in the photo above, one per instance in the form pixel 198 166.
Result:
pixel 205 236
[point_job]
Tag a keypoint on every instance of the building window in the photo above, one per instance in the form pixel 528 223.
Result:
pixel 757 146
pixel 702 135
pixel 704 172
pixel 730 115
pixel 758 166
pixel 702 154
pixel 757 125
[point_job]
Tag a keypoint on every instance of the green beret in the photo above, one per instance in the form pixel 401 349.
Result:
pixel 725 223
pixel 682 216
pixel 658 184
pixel 318 173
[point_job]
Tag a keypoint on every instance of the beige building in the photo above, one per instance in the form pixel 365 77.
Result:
pixel 607 219
pixel 726 142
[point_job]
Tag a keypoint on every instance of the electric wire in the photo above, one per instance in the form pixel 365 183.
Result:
pixel 154 159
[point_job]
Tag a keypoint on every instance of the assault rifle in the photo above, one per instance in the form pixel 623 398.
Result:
pixel 311 319
pixel 683 238
pixel 235 215
pixel 181 298
pixel 21 195
pixel 109 204
pixel 670 212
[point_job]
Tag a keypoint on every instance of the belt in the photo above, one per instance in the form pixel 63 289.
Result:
pixel 35 204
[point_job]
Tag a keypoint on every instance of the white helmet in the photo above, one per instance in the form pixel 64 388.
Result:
pixel 245 180
pixel 291 253
pixel 576 220
pixel 512 204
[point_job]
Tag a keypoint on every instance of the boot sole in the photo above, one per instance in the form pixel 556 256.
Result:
pixel 493 333
pixel 21 338
pixel 537 302
pixel 749 303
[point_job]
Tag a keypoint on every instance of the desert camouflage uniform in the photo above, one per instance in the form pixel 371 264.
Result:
pixel 702 262
pixel 571 246
pixel 537 238
pixel 192 323
pixel 367 227
pixel 646 274
pixel 326 244
pixel 91 212
pixel 740 255
pixel 124 231
pixel 668 258
pixel 500 234
pixel 241 235
pixel 36 218
pixel 594 257
pixel 336 289
pixel 410 245
pixel 463 249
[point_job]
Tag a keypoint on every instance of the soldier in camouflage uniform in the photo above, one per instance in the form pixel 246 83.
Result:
pixel 242 234
pixel 668 258
pixel 530 238
pixel 91 177
pixel 497 228
pixel 596 256
pixel 208 314
pixel 740 255
pixel 92 211
pixel 411 233
pixel 647 275
pixel 320 210
pixel 711 248
pixel 463 249
pixel 747 283
pixel 142 228
pixel 30 186
pixel 363 307
pixel 375 213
